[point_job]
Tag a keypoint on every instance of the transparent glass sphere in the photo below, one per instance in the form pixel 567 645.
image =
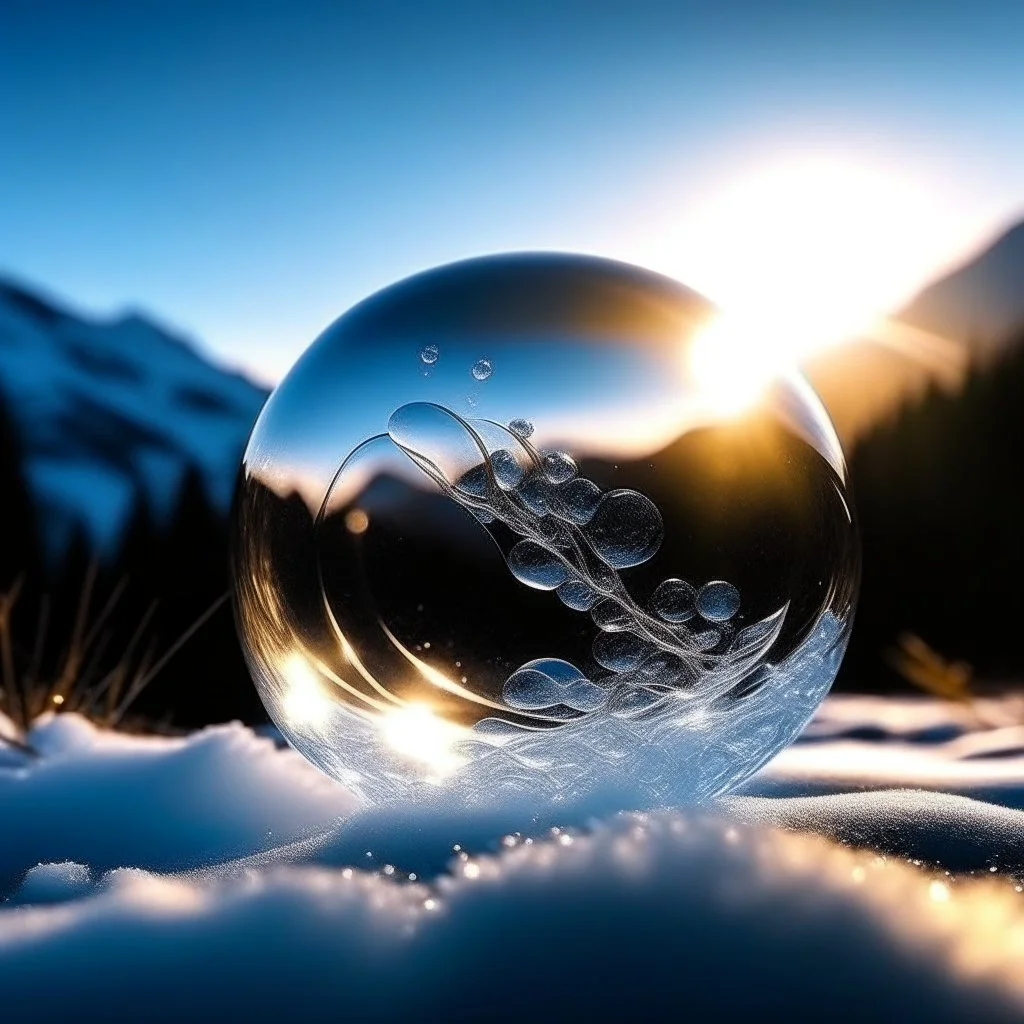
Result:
pixel 521 525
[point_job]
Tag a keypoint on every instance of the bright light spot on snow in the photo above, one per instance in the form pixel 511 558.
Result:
pixel 939 892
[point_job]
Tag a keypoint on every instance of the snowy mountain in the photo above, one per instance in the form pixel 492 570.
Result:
pixel 109 410
pixel 982 302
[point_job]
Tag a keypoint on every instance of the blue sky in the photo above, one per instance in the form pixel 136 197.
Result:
pixel 248 171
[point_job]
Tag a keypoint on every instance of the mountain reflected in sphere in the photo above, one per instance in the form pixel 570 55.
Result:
pixel 494 534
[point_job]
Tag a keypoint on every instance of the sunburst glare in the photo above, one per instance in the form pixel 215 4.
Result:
pixel 416 733
pixel 800 255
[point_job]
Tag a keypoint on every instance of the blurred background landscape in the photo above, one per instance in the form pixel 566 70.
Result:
pixel 847 188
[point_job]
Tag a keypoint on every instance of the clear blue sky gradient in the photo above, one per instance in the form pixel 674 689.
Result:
pixel 248 171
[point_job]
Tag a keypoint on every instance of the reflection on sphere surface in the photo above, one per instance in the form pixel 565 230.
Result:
pixel 494 534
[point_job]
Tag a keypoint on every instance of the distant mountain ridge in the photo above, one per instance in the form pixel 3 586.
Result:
pixel 113 411
pixel 981 303
pixel 977 308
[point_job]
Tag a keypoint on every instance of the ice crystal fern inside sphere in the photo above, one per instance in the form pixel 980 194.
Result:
pixel 497 531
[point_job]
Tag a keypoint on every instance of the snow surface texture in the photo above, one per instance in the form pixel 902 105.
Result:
pixel 220 876
pixel 111 410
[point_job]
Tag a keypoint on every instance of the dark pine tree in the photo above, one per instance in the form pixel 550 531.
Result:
pixel 183 568
pixel 21 559
pixel 20 555
pixel 940 491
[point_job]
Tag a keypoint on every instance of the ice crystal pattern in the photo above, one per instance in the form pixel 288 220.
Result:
pixel 576 539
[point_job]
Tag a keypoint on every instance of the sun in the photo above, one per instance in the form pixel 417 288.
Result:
pixel 799 254
pixel 731 365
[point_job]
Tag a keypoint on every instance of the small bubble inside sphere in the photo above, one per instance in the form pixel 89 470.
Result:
pixel 565 558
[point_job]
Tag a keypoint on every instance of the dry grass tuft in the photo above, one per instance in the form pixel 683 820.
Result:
pixel 80 682
pixel 928 670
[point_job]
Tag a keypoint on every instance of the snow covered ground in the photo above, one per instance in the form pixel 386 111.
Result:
pixel 872 871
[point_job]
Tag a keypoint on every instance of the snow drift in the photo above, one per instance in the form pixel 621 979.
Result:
pixel 219 875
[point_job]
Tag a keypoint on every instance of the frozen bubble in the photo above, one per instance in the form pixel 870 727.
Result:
pixel 578 500
pixel 761 676
pixel 521 428
pixel 529 688
pixel 621 652
pixel 507 470
pixel 583 695
pixel 674 601
pixel 663 668
pixel 548 682
pixel 438 441
pixel 536 566
pixel 558 467
pixel 367 421
pixel 603 575
pixel 577 595
pixel 497 731
pixel 718 601
pixel 759 636
pixel 626 528
pixel 536 492
pixel 629 701
pixel 475 481
pixel 705 640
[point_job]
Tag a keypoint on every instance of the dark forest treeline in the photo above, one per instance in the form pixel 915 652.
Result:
pixel 141 601
pixel 940 493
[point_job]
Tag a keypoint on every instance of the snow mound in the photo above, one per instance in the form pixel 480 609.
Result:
pixel 861 742
pixel 108 800
pixel 54 883
pixel 219 876
pixel 646 914
pixel 937 828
